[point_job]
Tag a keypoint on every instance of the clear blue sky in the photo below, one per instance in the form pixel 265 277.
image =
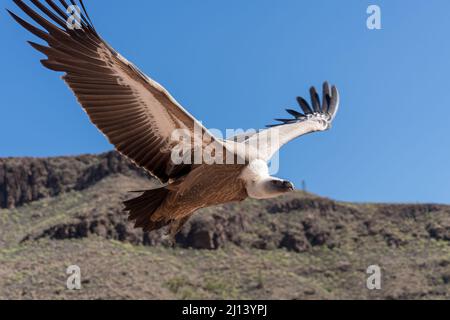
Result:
pixel 238 64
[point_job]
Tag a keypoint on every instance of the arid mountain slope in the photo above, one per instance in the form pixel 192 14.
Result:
pixel 64 211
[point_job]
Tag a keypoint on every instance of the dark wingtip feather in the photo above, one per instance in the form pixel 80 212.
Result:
pixel 328 106
pixel 86 21
pixel 49 13
pixel 13 15
pixel 295 113
pixel 334 101
pixel 315 100
pixel 43 49
pixel 87 15
pixel 326 97
pixel 28 26
pixel 286 121
pixel 304 105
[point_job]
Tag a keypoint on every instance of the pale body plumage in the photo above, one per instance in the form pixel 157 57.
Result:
pixel 255 176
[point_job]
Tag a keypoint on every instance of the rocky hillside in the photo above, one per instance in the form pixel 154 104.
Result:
pixel 63 211
pixel 23 180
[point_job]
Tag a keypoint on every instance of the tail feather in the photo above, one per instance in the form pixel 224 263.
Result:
pixel 143 207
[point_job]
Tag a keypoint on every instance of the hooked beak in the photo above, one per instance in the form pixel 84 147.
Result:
pixel 288 185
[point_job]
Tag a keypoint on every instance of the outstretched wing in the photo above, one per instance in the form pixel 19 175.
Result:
pixel 316 118
pixel 136 114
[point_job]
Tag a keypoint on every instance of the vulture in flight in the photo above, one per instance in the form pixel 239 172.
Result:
pixel 139 117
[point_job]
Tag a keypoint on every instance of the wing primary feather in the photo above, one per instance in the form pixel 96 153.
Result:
pixel 334 102
pixel 107 86
pixel 87 15
pixel 329 102
pixel 296 114
pixel 43 49
pixel 83 18
pixel 88 42
pixel 313 121
pixel 51 28
pixel 326 95
pixel 286 120
pixel 50 14
pixel 304 105
pixel 315 100
pixel 57 9
pixel 66 6
pixel 36 31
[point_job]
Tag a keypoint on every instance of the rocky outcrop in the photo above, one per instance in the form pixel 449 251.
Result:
pixel 213 231
pixel 202 232
pixel 23 180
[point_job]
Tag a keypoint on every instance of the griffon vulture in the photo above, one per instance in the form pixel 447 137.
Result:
pixel 139 117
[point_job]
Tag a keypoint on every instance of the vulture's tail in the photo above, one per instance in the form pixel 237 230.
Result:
pixel 141 209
